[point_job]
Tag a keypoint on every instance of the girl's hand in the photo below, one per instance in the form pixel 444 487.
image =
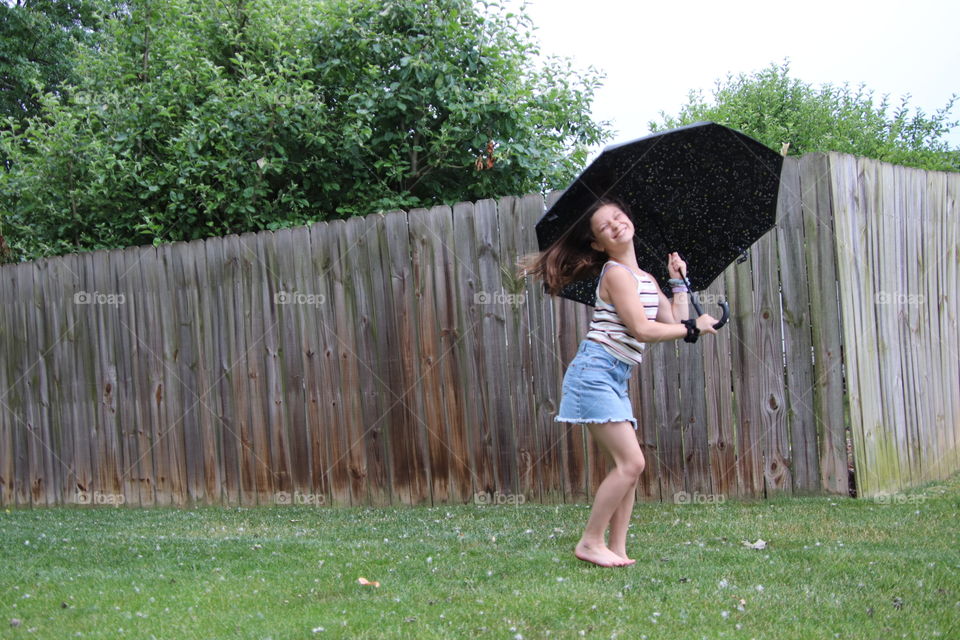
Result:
pixel 676 267
pixel 705 324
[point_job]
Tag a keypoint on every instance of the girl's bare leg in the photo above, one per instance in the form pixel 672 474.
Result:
pixel 619 439
pixel 620 522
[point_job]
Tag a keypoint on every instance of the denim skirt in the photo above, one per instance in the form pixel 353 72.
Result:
pixel 595 387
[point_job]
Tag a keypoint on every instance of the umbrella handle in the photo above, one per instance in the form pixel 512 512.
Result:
pixel 726 315
pixel 695 301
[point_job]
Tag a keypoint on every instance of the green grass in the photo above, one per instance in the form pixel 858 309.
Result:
pixel 833 568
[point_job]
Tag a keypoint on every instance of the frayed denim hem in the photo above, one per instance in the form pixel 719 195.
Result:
pixel 593 421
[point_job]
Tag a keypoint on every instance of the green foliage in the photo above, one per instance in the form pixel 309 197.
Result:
pixel 199 118
pixel 777 109
pixel 38 39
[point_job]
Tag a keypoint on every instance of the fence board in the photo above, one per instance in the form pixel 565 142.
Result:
pixel 879 468
pixel 288 277
pixel 408 430
pixel 928 442
pixel 9 421
pixel 517 240
pixel 499 426
pixel 311 276
pixel 365 262
pixel 693 416
pixel 276 448
pixel 347 441
pixel 326 448
pixel 828 393
pixel 777 463
pixel 32 381
pixel 429 235
pixel 471 353
pixel 173 400
pixel 207 332
pixel 721 434
pixel 544 388
pixel 58 294
pixel 44 478
pixel 805 471
pixel 945 189
pixel 746 389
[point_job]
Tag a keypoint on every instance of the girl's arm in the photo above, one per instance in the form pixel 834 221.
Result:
pixel 675 312
pixel 621 289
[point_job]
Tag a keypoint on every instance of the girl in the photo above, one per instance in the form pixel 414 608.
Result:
pixel 630 311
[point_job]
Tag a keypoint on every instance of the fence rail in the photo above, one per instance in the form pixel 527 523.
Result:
pixel 394 359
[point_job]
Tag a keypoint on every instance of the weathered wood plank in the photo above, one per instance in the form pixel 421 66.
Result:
pixel 288 277
pixel 769 359
pixel 9 420
pixel 721 421
pixel 327 455
pixel 747 369
pixel 361 260
pixel 805 470
pixel 876 463
pixel 58 292
pixel 275 313
pixel 126 347
pixel 35 380
pixel 172 397
pixel 207 335
pixel 516 240
pixel 693 415
pixel 18 399
pixel 39 344
pixel 348 462
pixel 827 395
pixel 498 408
pixel 545 393
pixel 472 353
pixel 409 463
pixel 941 188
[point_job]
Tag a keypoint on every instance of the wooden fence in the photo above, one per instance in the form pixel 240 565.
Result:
pixel 393 359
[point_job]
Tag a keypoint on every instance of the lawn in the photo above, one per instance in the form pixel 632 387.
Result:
pixel 831 568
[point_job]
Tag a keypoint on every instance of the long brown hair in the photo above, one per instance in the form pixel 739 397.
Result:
pixel 571 257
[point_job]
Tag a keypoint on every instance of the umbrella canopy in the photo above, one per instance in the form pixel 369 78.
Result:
pixel 703 190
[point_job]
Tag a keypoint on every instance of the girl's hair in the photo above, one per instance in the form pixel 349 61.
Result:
pixel 571 257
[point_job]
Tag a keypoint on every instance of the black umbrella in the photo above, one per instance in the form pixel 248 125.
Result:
pixel 704 190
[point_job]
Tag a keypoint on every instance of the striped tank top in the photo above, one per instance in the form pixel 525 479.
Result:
pixel 608 329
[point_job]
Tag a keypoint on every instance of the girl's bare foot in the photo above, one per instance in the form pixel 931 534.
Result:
pixel 599 555
pixel 623 554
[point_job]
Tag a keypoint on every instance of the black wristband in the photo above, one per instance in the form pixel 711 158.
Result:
pixel 693 333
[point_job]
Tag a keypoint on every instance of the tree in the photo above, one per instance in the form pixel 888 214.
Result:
pixel 776 109
pixel 38 40
pixel 199 118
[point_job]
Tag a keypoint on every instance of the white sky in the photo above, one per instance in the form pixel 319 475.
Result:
pixel 654 53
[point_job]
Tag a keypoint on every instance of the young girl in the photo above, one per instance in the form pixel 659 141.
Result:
pixel 630 311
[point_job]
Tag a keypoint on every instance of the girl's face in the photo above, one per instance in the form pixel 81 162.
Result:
pixel 611 228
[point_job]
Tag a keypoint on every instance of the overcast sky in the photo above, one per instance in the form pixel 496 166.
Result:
pixel 653 53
